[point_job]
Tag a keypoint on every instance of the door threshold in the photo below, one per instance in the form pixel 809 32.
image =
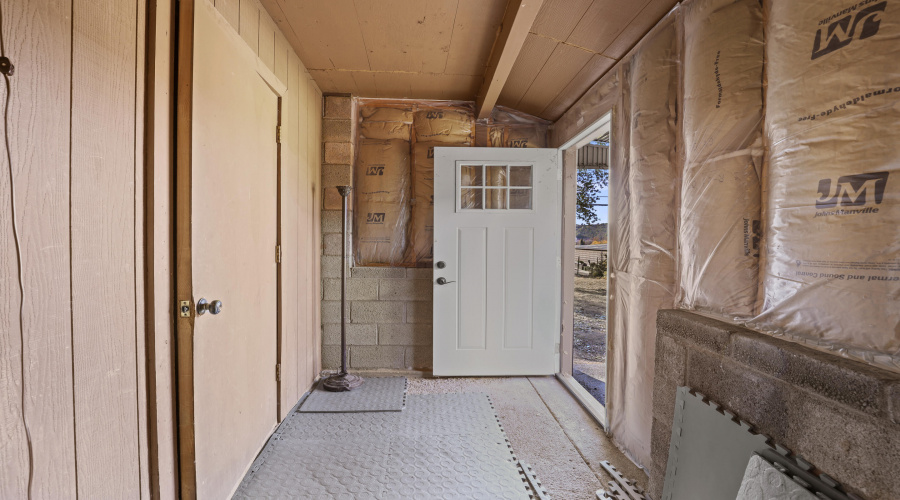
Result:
pixel 596 410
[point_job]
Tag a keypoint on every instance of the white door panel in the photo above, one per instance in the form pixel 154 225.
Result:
pixel 497 229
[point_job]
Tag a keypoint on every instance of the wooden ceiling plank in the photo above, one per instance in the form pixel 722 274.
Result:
pixel 328 33
pixel 323 79
pixel 392 33
pixel 343 81
pixel 534 56
pixel 517 22
pixel 640 26
pixel 594 70
pixel 365 83
pixel 564 64
pixel 603 22
pixel 474 33
pixel 394 85
pixel 558 18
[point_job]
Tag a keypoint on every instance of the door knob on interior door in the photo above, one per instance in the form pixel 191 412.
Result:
pixel 214 307
pixel 443 281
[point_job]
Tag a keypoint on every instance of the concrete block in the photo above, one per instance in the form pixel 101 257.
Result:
pixel 405 334
pixel 338 106
pixel 756 398
pixel 379 272
pixel 336 130
pixel 331 221
pixel 405 289
pixel 660 436
pixel 337 153
pixel 336 173
pixel 331 312
pixel 357 289
pixel 704 332
pixel 419 358
pixel 331 266
pixel 332 200
pixel 419 312
pixel 664 394
pixel 377 312
pixel 331 357
pixel 420 273
pixel 894 402
pixel 858 450
pixel 371 357
pixel 331 243
pixel 356 334
pixel 671 359
pixel 843 380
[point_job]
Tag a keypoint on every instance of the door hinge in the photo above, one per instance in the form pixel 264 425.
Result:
pixel 278 134
pixel 184 308
pixel 278 254
pixel 278 372
pixel 557 348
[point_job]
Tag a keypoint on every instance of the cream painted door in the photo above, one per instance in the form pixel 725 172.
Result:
pixel 234 221
pixel 497 224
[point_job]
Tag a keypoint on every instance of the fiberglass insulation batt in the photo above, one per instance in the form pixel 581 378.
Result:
pixel 832 264
pixel 722 135
pixel 382 201
pixel 644 185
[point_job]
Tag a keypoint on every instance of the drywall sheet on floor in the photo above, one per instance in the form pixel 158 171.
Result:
pixel 832 263
pixel 441 445
pixel 719 214
pixel 645 189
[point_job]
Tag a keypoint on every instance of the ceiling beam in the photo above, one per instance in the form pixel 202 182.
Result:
pixel 517 21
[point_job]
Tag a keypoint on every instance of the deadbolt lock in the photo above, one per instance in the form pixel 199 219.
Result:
pixel 214 307
pixel 440 264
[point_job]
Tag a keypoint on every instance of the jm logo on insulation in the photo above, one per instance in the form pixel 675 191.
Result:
pixel 852 190
pixel 840 33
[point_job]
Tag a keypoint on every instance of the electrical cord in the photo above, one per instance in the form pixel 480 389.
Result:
pixel 7 69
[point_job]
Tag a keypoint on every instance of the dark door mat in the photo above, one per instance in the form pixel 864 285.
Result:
pixel 375 394
pixel 440 446
pixel 597 388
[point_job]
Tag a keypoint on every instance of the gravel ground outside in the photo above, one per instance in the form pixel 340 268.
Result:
pixel 590 326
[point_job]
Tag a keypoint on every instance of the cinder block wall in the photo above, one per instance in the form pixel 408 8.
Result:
pixel 389 309
pixel 841 415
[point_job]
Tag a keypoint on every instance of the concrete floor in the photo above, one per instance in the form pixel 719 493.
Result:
pixel 548 429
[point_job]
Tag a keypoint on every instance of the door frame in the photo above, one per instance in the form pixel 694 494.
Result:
pixel 183 272
pixel 569 155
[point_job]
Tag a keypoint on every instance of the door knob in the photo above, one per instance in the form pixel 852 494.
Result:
pixel 214 307
pixel 443 281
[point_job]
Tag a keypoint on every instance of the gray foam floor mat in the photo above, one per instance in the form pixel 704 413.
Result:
pixel 440 446
pixel 375 394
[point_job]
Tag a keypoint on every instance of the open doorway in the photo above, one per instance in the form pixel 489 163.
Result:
pixel 589 328
pixel 586 252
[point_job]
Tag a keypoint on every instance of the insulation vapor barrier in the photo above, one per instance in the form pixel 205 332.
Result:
pixel 394 221
pixel 832 263
pixel 644 191
pixel 719 226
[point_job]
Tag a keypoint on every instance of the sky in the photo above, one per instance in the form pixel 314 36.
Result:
pixel 602 212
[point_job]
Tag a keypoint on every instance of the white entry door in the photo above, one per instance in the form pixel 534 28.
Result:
pixel 496 261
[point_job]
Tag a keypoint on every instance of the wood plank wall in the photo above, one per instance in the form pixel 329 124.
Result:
pixel 300 195
pixel 73 378
pixel 72 374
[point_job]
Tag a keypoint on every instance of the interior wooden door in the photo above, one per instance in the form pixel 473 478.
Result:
pixel 497 245
pixel 233 238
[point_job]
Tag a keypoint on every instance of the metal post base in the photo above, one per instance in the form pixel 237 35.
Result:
pixel 342 382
